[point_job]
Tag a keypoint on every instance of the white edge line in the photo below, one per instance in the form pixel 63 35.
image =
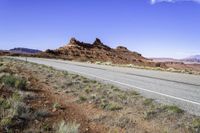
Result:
pixel 162 94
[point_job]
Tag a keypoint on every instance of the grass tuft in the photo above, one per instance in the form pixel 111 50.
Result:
pixel 4 104
pixel 196 123
pixel 111 106
pixel 68 127
pixel 5 121
pixel 56 106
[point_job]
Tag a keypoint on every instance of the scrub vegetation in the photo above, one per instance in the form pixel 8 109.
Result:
pixel 37 98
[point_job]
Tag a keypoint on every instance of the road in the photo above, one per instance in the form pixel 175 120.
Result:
pixel 178 89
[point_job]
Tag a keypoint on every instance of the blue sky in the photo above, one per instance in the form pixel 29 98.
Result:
pixel 155 28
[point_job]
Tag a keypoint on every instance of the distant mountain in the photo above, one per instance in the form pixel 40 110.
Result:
pixel 4 52
pixel 195 58
pixel 25 51
pixel 165 60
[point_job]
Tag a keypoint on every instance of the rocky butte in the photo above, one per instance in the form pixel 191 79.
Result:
pixel 98 51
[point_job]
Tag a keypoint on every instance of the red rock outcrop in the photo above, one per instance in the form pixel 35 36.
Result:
pixel 97 51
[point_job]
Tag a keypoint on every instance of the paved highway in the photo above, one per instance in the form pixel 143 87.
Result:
pixel 178 89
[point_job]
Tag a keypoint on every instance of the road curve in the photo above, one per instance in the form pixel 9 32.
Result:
pixel 178 89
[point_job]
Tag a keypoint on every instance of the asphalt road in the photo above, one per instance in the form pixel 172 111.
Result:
pixel 178 89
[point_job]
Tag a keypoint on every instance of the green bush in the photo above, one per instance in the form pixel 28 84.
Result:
pixel 148 102
pixel 9 80
pixel 82 98
pixel 12 81
pixel 173 109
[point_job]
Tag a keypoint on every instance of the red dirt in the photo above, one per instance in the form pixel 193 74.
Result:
pixel 69 111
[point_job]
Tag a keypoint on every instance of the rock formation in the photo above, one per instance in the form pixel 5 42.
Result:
pixel 97 51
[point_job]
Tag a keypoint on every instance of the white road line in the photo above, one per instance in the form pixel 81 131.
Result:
pixel 132 86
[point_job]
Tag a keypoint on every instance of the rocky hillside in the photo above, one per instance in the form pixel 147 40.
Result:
pixel 97 51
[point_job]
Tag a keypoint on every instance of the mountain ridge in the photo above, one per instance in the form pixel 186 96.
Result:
pixel 24 50
pixel 194 58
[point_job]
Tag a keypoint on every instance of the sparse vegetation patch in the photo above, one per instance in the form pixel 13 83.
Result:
pixel 172 109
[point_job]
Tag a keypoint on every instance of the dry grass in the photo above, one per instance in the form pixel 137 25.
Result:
pixel 126 110
pixel 70 127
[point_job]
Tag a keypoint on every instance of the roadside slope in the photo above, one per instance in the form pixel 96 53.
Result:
pixel 182 89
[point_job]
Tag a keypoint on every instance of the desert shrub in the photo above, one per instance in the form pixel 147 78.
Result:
pixel 4 104
pixel 148 101
pixel 122 96
pixel 88 90
pixel 172 109
pixel 71 127
pixel 42 113
pixel 158 64
pixel 134 93
pixel 12 81
pixel 16 96
pixel 5 121
pixel 113 107
pixel 9 80
pixel 21 108
pixel 196 123
pixel 110 106
pixel 149 114
pixel 56 106
pixel 46 127
pixel 116 89
pixel 82 98
pixel 65 73
pixel 20 84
